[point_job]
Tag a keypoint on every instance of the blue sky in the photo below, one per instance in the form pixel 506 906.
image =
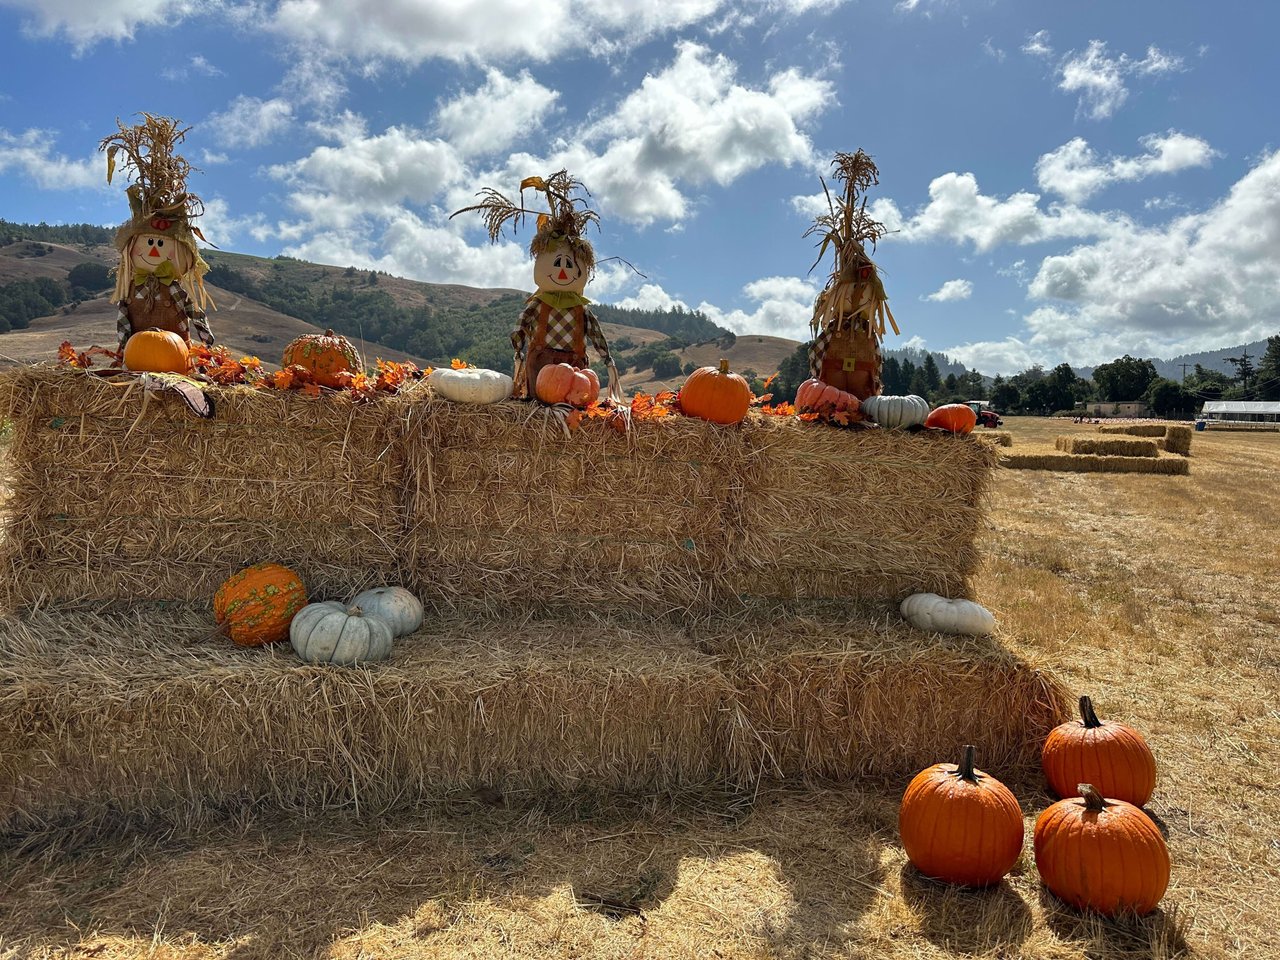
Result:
pixel 1066 181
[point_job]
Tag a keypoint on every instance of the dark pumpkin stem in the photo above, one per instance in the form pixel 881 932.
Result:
pixel 724 365
pixel 1093 801
pixel 1088 715
pixel 964 769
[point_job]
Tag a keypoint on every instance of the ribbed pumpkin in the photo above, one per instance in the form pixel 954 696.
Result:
pixel 896 412
pixel 1112 756
pixel 960 825
pixel 1101 854
pixel 715 394
pixel 564 383
pixel 814 395
pixel 256 605
pixel 156 351
pixel 331 632
pixel 955 417
pixel 396 605
pixel 325 355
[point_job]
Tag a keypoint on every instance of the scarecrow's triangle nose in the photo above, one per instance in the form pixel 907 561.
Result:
pixel 153 252
pixel 563 276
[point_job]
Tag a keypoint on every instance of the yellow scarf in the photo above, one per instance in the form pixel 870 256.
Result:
pixel 560 299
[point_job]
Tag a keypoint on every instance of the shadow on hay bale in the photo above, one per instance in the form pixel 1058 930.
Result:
pixel 140 711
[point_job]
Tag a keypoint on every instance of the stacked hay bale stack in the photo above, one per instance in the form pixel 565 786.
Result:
pixel 1138 451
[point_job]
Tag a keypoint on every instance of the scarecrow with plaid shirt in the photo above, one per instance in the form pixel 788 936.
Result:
pixel 556 323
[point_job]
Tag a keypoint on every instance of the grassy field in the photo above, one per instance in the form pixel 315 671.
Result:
pixel 1156 595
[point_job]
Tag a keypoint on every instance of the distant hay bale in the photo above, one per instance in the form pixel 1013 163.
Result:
pixel 1091 463
pixel 1177 439
pixel 1107 447
pixel 1001 438
pixel 141 712
pixel 1135 429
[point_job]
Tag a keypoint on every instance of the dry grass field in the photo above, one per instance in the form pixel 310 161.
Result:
pixel 1156 595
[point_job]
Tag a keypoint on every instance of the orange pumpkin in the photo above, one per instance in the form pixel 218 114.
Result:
pixel 325 355
pixel 256 605
pixel 565 383
pixel 814 394
pixel 156 351
pixel 960 825
pixel 1101 854
pixel 956 417
pixel 1112 756
pixel 715 394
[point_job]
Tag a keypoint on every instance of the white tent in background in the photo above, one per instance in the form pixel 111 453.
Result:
pixel 1255 414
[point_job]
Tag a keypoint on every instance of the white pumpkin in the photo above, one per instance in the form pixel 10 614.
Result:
pixel 396 605
pixel 894 412
pixel 928 611
pixel 471 385
pixel 332 632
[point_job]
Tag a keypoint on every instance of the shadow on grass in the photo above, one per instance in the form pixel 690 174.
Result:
pixel 992 921
pixel 1160 935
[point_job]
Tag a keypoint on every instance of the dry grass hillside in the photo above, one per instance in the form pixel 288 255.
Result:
pixel 749 352
pixel 1156 595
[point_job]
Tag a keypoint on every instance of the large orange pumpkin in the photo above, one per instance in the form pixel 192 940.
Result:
pixel 325 355
pixel 1112 756
pixel 156 351
pixel 1101 854
pixel 956 417
pixel 715 394
pixel 565 383
pixel 256 605
pixel 960 824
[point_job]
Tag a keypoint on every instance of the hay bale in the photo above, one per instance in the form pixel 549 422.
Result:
pixel 1107 447
pixel 1001 438
pixel 1135 429
pixel 1177 439
pixel 1091 463
pixel 143 713
pixel 117 496
pixel 873 514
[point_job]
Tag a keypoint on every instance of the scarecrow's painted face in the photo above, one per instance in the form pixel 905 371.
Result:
pixel 558 269
pixel 147 251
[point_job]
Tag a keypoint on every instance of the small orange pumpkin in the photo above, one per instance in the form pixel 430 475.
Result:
pixel 715 394
pixel 955 417
pixel 256 605
pixel 960 825
pixel 1101 854
pixel 565 383
pixel 156 351
pixel 326 355
pixel 1112 756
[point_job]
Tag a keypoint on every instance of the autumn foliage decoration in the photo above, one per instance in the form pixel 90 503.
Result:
pixel 960 825
pixel 1101 854
pixel 255 606
pixel 1112 756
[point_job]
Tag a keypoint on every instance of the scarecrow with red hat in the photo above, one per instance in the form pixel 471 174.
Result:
pixel 160 280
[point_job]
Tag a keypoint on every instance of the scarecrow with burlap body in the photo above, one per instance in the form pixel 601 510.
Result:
pixel 557 322
pixel 160 280
pixel 849 314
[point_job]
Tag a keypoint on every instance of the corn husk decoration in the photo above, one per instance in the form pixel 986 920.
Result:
pixel 557 321
pixel 850 313
pixel 160 280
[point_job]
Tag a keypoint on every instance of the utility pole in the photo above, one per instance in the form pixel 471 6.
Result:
pixel 1184 371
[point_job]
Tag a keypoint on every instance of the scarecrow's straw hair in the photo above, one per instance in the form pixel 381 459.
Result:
pixel 1107 446
pixel 160 175
pixel 1091 463
pixel 565 221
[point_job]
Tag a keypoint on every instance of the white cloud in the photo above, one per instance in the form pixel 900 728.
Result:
pixel 1075 172
pixel 782 307
pixel 29 154
pixel 496 115
pixel 84 22
pixel 250 121
pixel 1037 45
pixel 957 210
pixel 951 290
pixel 1099 79
pixel 186 67
pixel 222 229
pixel 991 50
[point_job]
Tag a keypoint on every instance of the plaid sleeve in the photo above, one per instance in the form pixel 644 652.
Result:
pixel 596 336
pixel 520 335
pixel 818 350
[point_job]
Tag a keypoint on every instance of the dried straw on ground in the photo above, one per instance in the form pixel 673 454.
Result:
pixel 1135 429
pixel 1107 447
pixel 143 713
pixel 1091 463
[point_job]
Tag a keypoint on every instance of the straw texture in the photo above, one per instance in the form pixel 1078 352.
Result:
pixel 1107 446
pixel 1092 463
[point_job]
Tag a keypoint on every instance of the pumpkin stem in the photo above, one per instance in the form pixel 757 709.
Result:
pixel 328 333
pixel 724 365
pixel 964 769
pixel 1087 714
pixel 1093 801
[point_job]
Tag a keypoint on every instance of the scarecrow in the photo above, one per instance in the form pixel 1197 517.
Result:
pixel 160 280
pixel 849 314
pixel 557 321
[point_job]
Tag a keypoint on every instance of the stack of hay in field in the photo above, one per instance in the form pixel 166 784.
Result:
pixel 679 606
pixel 1113 454
pixel 1001 438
